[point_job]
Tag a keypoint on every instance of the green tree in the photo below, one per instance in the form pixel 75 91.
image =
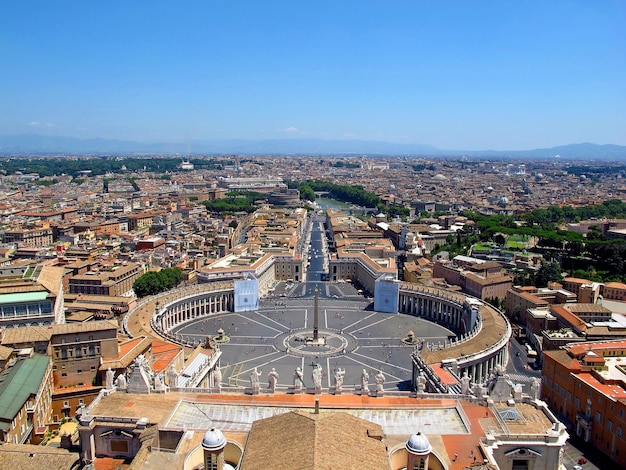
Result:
pixel 548 272
pixel 153 282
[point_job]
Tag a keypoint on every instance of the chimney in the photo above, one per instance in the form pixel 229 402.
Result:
pixel 317 406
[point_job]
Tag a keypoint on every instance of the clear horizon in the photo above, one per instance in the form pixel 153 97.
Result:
pixel 452 75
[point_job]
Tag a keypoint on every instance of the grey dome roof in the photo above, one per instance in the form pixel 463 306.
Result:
pixel 418 444
pixel 213 440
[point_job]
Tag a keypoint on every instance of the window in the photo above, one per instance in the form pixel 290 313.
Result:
pixel 598 417
pixel 609 425
pixel 577 402
pixel 81 401
pixel 618 431
pixel 119 446
pixel 64 374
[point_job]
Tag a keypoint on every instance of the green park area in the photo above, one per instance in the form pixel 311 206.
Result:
pixel 517 242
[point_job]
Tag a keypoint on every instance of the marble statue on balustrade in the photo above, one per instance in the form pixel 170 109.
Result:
pixel 120 382
pixel 421 384
pixel 272 379
pixel 298 380
pixel 339 375
pixel 159 386
pixel 535 388
pixel 254 381
pixel 172 377
pixel 109 379
pixel 380 383
pixel 465 383
pixel 316 375
pixel 217 379
pixel 365 383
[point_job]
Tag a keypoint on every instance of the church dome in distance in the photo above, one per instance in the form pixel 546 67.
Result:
pixel 213 440
pixel 439 177
pixel 418 444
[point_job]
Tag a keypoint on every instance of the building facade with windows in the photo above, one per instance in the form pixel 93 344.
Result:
pixel 77 349
pixel 585 383
pixel 36 298
pixel 25 398
pixel 115 280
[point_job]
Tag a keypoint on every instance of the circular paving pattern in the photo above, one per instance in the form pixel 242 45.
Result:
pixel 301 343
pixel 355 338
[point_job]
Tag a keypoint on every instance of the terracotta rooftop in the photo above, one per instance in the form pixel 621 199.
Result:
pixel 570 318
pixel 314 441
pixel 27 457
pixel 608 389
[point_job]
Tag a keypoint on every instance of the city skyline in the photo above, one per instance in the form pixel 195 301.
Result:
pixel 454 76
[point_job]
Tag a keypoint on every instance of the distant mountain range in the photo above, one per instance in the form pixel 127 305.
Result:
pixel 35 144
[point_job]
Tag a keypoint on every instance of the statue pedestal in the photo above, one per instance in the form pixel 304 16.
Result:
pixel 297 391
pixel 338 391
pixel 255 390
pixel 365 392
pixel 380 393
pixel 318 390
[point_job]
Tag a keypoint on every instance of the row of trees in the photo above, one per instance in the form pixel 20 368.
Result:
pixel 612 208
pixel 45 167
pixel 153 282
pixel 235 201
pixel 352 194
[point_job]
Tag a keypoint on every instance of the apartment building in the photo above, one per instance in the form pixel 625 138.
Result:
pixel 114 280
pixel 76 349
pixel 99 227
pixel 25 398
pixel 615 291
pixel 480 279
pixel 33 237
pixel 585 383
pixel 35 298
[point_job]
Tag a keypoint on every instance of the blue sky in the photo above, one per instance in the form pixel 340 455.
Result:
pixel 455 74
